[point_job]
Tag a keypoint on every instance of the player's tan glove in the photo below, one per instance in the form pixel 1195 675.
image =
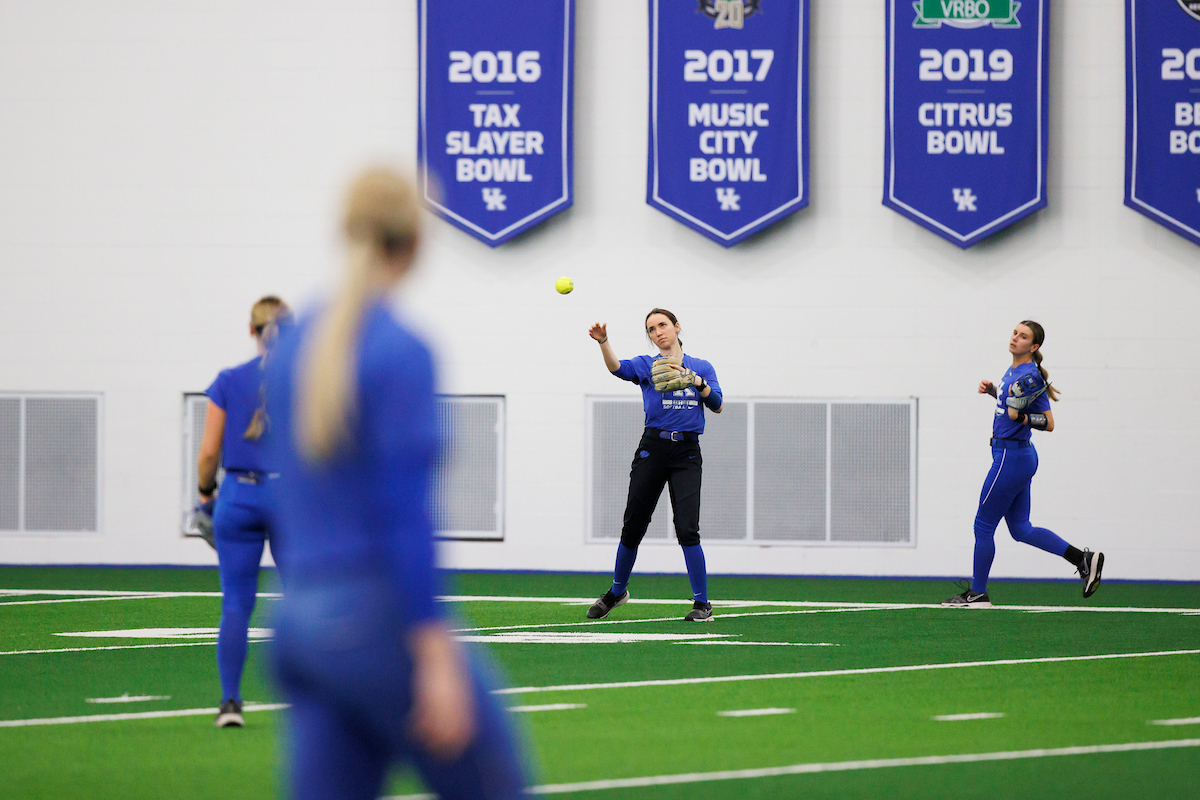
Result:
pixel 668 379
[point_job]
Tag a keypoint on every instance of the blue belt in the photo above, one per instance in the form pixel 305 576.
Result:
pixel 1010 444
pixel 674 436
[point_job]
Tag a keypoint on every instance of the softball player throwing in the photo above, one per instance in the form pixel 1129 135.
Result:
pixel 675 390
pixel 1022 406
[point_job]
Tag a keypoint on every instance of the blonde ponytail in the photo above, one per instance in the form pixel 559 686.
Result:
pixel 381 223
pixel 264 318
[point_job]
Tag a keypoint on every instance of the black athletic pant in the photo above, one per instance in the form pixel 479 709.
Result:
pixel 657 462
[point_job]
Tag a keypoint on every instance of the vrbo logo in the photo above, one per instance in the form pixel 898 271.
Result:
pixel 966 13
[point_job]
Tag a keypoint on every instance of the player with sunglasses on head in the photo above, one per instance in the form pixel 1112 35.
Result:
pixel 675 390
pixel 1023 406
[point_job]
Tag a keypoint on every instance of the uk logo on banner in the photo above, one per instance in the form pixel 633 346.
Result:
pixel 965 147
pixel 1162 112
pixel 728 152
pixel 494 124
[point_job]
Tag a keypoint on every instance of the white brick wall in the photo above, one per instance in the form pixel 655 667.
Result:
pixel 162 165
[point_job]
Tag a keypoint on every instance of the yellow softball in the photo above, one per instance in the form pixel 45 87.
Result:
pixel 564 285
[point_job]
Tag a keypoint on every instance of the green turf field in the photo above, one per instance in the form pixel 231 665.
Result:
pixel 846 679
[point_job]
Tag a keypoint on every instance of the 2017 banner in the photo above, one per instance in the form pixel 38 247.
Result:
pixel 728 149
pixel 494 126
pixel 966 115
pixel 1162 112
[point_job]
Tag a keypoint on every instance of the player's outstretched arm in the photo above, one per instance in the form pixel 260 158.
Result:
pixel 599 332
pixel 210 450
pixel 987 387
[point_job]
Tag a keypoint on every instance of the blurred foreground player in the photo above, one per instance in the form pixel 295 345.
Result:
pixel 235 425
pixel 675 390
pixel 362 652
pixel 1022 406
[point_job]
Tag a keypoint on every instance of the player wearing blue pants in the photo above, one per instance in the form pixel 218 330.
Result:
pixel 362 652
pixel 1022 406
pixel 675 390
pixel 234 427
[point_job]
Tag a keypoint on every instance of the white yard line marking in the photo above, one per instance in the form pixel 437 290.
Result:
pixel 126 698
pixel 184 712
pixel 1181 721
pixel 548 707
pixel 583 623
pixel 965 717
pixel 97 595
pixel 836 672
pixel 756 712
pixel 211 643
pixel 165 633
pixel 846 766
pixel 768 644
pixel 585 637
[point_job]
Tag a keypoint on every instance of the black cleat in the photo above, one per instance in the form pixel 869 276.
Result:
pixel 701 612
pixel 601 607
pixel 968 599
pixel 1089 571
pixel 229 715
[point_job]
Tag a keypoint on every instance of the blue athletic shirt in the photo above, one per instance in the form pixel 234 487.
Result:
pixel 670 411
pixel 238 391
pixel 1002 426
pixel 365 513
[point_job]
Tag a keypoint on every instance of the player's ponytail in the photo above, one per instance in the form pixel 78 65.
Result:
pixel 381 222
pixel 264 319
pixel 1039 336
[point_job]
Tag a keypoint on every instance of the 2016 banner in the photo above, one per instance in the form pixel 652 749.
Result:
pixel 728 149
pixel 966 115
pixel 494 126
pixel 1162 112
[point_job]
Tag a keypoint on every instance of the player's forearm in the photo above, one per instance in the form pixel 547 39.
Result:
pixel 206 468
pixel 610 359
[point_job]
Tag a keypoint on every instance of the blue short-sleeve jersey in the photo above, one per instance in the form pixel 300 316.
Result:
pixel 1002 426
pixel 238 392
pixel 365 512
pixel 670 411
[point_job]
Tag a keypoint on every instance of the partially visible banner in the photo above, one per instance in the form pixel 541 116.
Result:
pixel 966 114
pixel 1162 112
pixel 728 113
pixel 494 127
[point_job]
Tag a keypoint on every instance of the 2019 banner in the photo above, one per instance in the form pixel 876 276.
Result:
pixel 966 115
pixel 494 126
pixel 728 151
pixel 1162 112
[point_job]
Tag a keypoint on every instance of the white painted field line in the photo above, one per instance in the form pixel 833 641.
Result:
pixel 127 698
pixel 211 643
pixel 183 712
pixel 548 707
pixel 1181 721
pixel 965 717
pixel 847 766
pixel 756 712
pixel 764 644
pixel 837 672
pixel 581 623
pixel 86 596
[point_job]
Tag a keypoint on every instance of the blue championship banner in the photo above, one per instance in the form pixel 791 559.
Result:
pixel 967 121
pixel 728 149
pixel 494 127
pixel 1162 112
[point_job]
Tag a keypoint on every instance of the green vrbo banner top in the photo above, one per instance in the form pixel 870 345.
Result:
pixel 966 13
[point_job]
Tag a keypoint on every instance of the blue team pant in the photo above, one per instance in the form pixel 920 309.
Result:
pixel 343 664
pixel 240 529
pixel 1005 495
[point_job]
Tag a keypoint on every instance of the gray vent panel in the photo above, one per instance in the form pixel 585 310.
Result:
pixel 789 471
pixel 723 499
pixel 870 473
pixel 10 463
pixel 465 489
pixel 61 446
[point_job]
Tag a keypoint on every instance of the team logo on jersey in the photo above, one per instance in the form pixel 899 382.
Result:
pixel 730 13
pixel 974 13
pixel 1192 7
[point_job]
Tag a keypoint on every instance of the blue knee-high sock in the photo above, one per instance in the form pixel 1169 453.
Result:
pixel 1042 539
pixel 697 574
pixel 985 553
pixel 624 568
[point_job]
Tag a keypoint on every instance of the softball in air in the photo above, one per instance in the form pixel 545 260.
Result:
pixel 564 285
